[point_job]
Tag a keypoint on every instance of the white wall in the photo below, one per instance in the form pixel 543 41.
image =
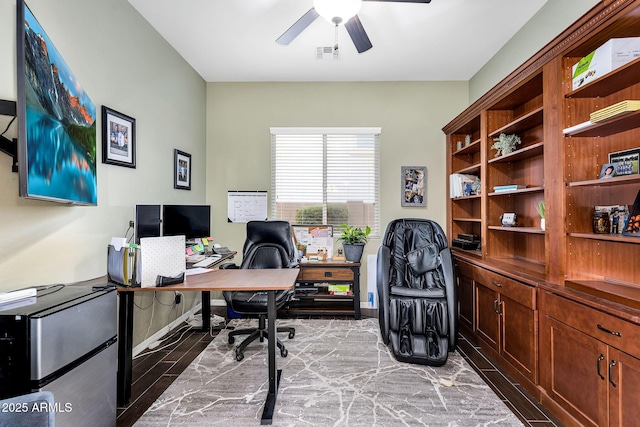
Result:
pixel 411 115
pixel 124 64
pixel 551 20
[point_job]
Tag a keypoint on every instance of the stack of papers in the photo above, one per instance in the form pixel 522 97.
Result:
pixel 614 110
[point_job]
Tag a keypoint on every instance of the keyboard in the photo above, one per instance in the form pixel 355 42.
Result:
pixel 207 261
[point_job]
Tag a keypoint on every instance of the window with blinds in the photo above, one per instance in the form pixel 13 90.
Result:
pixel 326 176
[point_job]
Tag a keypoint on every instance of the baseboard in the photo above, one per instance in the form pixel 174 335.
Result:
pixel 173 325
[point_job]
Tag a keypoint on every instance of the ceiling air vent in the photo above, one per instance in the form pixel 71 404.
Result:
pixel 328 53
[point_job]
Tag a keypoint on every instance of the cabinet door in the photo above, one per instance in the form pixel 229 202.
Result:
pixel 487 315
pixel 624 389
pixel 465 295
pixel 519 343
pixel 576 373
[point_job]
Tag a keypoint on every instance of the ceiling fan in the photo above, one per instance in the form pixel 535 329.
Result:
pixel 337 12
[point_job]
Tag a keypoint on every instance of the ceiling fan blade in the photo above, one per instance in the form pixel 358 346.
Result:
pixel 358 34
pixel 404 1
pixel 299 26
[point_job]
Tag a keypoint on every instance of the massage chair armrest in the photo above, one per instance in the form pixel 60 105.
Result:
pixel 383 266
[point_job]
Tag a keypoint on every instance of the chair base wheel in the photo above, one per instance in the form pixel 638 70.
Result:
pixel 284 352
pixel 239 356
pixel 291 335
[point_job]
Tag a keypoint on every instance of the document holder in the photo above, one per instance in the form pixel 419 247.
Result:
pixel 123 266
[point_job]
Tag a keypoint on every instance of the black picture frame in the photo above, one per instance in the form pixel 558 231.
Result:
pixel 181 170
pixel 118 138
pixel 626 162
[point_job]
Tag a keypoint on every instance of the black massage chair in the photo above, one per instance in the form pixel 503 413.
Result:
pixel 417 292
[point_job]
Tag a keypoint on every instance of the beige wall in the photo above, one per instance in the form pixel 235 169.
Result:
pixel 123 63
pixel 551 20
pixel 411 115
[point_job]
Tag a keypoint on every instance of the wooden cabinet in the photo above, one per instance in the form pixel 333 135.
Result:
pixel 590 373
pixel 312 293
pixel 562 152
pixel 500 314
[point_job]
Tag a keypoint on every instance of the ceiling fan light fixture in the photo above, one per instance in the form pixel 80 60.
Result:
pixel 337 11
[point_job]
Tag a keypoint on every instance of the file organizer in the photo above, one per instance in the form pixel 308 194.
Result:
pixel 123 265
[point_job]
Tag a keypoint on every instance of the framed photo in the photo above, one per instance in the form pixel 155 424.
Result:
pixel 608 171
pixel 118 138
pixel 413 185
pixel 626 162
pixel 181 170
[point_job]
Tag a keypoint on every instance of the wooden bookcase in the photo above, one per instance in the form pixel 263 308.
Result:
pixel 597 273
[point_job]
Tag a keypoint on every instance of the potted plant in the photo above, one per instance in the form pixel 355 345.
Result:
pixel 541 212
pixel 353 241
pixel 505 144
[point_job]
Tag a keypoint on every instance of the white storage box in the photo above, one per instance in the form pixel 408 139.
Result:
pixel 611 55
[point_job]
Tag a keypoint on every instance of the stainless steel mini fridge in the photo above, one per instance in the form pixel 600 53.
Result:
pixel 63 341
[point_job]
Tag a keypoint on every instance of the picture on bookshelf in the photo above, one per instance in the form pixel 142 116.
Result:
pixel 608 171
pixel 632 224
pixel 626 162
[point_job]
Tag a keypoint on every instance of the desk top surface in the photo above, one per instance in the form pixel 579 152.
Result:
pixel 233 280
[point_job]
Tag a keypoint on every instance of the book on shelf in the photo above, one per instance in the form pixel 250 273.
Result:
pixel 615 109
pixel 461 185
pixel 509 187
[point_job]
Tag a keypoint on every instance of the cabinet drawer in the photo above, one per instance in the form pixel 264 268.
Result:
pixel 622 335
pixel 517 291
pixel 328 274
pixel 465 269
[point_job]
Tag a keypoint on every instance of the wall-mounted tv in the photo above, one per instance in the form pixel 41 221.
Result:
pixel 192 221
pixel 56 121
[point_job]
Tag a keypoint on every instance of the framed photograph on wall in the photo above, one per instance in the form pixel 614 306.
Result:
pixel 626 162
pixel 181 170
pixel 413 184
pixel 118 138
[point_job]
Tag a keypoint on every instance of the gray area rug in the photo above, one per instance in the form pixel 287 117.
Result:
pixel 337 373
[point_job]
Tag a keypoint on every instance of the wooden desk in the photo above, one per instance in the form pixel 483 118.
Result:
pixel 269 280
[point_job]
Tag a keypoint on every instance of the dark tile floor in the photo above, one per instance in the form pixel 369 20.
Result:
pixel 154 371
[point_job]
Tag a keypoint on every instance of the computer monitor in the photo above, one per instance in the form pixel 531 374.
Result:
pixel 192 221
pixel 147 222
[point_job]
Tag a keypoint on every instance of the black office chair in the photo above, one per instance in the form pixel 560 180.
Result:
pixel 269 244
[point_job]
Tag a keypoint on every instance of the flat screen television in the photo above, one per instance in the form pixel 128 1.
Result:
pixel 147 222
pixel 192 221
pixel 56 121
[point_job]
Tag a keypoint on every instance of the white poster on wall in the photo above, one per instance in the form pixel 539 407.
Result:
pixel 245 206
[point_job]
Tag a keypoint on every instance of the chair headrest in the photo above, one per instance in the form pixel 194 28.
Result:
pixel 273 232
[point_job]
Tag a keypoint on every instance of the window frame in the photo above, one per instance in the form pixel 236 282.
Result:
pixel 324 132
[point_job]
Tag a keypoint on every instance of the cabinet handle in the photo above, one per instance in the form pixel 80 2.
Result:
pixel 611 365
pixel 496 307
pixel 328 274
pixel 601 358
pixel 496 283
pixel 602 328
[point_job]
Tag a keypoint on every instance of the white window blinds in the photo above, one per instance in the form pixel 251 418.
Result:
pixel 326 176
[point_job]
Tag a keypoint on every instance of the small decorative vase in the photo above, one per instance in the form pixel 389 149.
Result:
pixel 542 224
